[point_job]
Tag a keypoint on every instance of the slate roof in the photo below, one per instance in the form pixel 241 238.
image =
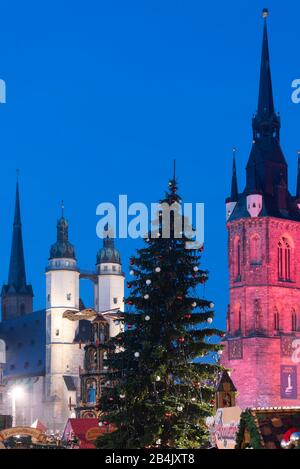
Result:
pixel 25 339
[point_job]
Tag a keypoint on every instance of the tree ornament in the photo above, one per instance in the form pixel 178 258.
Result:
pixel 193 399
pixel 158 442
pixel 295 439
pixel 211 305
pixel 286 442
pixel 131 272
pixel 209 320
pixel 146 297
pixel 111 399
pixel 105 368
pixel 122 396
pixel 131 261
pixel 130 302
pixel 168 414
pixel 194 304
pixel 148 282
pixel 158 378
pixel 187 316
pixel 195 269
pixel 147 318
pixel 137 354
pixel 222 335
pixel 129 285
pixel 220 352
pixel 100 424
pixel 180 408
pixel 181 340
pixel 157 270
pixel 129 326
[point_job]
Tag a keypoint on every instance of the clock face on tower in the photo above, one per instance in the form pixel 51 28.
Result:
pixel 235 349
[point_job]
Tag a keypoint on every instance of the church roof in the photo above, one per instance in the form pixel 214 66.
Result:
pixel 25 339
pixel 108 253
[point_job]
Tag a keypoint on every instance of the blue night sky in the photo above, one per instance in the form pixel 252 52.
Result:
pixel 101 96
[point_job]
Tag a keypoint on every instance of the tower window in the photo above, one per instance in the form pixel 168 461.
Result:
pixel 69 296
pixel 276 320
pixel 57 332
pixel 22 309
pixel 284 259
pixel 294 320
pixel 115 301
pixel 237 259
pixel 48 297
pixel 255 249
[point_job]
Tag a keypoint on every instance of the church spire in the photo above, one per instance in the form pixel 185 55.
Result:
pixel 266 122
pixel 234 184
pixel 16 295
pixel 265 107
pixel 17 273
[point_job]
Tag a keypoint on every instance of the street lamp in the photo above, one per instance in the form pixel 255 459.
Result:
pixel 16 393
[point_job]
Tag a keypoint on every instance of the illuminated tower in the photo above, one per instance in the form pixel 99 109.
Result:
pixel 263 224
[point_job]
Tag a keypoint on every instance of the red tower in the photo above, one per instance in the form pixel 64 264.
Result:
pixel 263 224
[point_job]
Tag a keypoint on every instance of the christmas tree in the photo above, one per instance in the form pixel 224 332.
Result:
pixel 160 387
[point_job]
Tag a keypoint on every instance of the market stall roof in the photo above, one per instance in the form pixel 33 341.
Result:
pixel 79 428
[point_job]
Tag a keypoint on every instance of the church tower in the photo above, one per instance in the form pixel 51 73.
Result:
pixel 16 295
pixel 109 289
pixel 63 356
pixel 263 224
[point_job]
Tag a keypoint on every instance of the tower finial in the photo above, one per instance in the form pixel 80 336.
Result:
pixel 62 209
pixel 265 13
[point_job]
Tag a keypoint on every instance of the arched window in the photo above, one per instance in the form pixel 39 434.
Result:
pixel 22 309
pixel 255 249
pixel 284 259
pixel 237 318
pixel 276 319
pixel 237 259
pixel 294 320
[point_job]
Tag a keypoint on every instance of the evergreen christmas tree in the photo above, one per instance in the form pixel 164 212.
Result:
pixel 163 367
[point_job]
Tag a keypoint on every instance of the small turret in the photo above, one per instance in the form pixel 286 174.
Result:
pixel 232 200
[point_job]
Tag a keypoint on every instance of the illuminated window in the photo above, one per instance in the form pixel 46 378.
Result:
pixel 276 319
pixel 237 259
pixel 284 259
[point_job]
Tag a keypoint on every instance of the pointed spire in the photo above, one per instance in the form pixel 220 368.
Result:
pixel 265 107
pixel 298 177
pixel 17 274
pixel 234 184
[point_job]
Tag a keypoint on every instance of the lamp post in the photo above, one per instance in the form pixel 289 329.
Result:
pixel 16 393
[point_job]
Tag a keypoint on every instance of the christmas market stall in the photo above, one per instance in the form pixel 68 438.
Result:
pixel 269 428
